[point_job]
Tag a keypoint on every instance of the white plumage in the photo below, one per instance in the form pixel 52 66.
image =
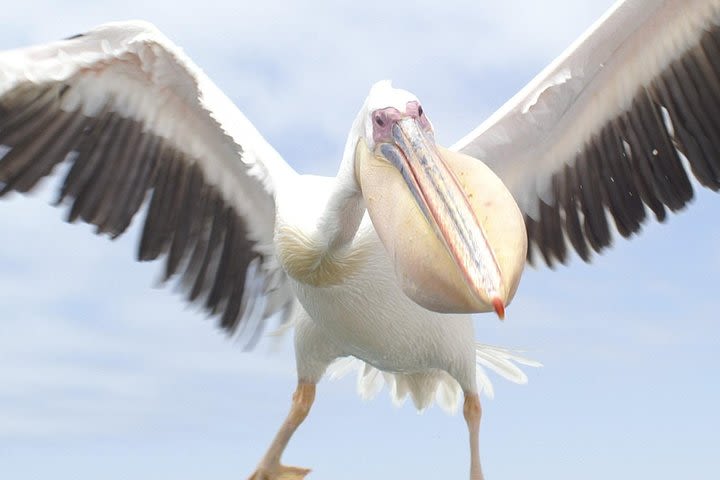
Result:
pixel 597 132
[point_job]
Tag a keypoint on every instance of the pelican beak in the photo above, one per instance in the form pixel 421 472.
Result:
pixel 446 208
pixel 445 261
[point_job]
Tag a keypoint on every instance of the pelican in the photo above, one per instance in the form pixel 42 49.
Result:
pixel 384 262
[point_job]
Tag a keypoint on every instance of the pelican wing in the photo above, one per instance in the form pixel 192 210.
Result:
pixel 140 123
pixel 606 127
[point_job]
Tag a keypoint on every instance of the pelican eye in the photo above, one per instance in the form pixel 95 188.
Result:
pixel 379 121
pixel 420 111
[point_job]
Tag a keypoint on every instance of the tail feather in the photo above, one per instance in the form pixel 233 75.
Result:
pixel 369 382
pixel 513 355
pixel 483 381
pixel 342 367
pixel 426 387
pixel 448 396
pixel 503 362
pixel 502 366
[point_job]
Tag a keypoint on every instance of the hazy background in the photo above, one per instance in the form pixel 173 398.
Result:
pixel 102 376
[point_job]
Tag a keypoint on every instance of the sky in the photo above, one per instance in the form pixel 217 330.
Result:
pixel 104 375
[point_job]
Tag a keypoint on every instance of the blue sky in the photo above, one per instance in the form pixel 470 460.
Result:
pixel 103 375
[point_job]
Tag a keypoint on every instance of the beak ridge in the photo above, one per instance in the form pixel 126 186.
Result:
pixel 447 209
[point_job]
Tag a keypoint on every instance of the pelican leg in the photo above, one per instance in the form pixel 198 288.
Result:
pixel 472 412
pixel 270 467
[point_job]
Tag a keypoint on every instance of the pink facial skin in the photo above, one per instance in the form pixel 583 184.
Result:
pixel 385 118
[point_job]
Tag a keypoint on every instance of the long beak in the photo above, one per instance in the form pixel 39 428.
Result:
pixel 446 207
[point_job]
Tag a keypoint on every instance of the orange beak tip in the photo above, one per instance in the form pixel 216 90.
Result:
pixel 499 308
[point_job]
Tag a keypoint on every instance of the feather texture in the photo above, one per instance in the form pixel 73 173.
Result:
pixel 437 386
pixel 595 141
pixel 141 124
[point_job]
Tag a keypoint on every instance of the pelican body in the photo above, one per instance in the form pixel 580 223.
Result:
pixel 379 267
pixel 372 272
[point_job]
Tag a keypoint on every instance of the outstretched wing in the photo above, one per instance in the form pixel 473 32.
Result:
pixel 140 123
pixel 606 127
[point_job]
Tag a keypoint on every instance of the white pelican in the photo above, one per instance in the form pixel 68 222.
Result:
pixel 601 126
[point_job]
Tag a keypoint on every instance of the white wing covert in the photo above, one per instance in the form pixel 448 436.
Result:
pixel 605 127
pixel 137 119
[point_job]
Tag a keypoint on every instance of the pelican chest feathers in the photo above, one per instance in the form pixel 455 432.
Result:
pixel 310 262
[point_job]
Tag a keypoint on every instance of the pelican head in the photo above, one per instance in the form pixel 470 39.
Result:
pixel 454 232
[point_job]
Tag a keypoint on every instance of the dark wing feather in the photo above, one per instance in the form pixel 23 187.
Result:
pixel 601 136
pixel 141 125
